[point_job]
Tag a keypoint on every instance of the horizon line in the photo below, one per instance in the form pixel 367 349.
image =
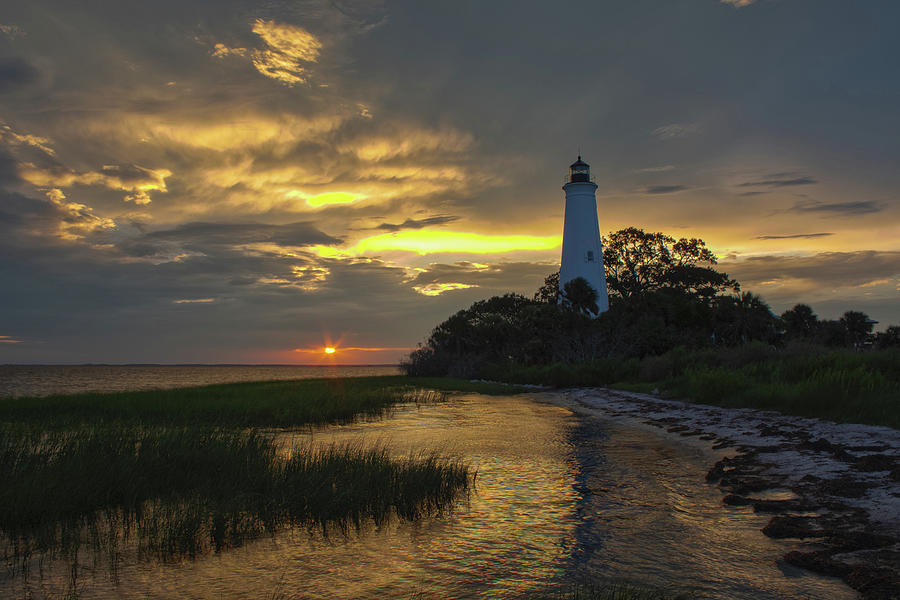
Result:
pixel 196 365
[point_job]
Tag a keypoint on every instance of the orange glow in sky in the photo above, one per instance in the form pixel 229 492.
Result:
pixel 329 350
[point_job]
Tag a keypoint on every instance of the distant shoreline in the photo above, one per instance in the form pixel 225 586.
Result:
pixel 196 365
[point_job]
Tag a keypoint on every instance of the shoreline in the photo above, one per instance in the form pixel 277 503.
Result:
pixel 835 488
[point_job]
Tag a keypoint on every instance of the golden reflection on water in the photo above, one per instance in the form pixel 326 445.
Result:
pixel 558 499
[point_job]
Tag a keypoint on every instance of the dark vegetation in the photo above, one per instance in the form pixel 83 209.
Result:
pixel 676 324
pixel 176 473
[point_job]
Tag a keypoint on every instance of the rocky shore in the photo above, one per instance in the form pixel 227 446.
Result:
pixel 833 487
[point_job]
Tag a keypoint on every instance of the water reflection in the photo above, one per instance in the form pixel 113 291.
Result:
pixel 558 499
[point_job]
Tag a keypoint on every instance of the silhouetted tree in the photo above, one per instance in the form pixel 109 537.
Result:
pixel 889 338
pixel 800 322
pixel 743 318
pixel 857 327
pixel 549 292
pixel 580 296
pixel 637 262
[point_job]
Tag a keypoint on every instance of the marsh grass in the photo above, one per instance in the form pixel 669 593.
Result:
pixel 179 493
pixel 173 474
pixel 841 385
pixel 256 404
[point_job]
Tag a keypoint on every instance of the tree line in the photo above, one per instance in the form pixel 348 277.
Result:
pixel 663 294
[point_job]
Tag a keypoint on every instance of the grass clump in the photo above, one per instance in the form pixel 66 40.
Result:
pixel 177 473
pixel 175 493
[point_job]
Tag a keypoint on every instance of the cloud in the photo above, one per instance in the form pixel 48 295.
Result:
pixel 493 277
pixel 793 236
pixel 194 301
pixel 844 209
pixel 779 181
pixel 408 141
pixel 16 73
pixel 436 289
pixel 9 137
pixel 676 130
pixel 290 49
pixel 660 169
pixel 738 3
pixel 418 223
pixel 76 220
pixel 5 339
pixel 818 271
pixel 130 178
pixel 665 189
pixel 201 234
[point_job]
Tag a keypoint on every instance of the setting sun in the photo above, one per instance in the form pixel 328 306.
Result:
pixel 329 350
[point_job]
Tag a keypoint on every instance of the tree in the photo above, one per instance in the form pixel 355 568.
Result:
pixel 549 292
pixel 637 262
pixel 800 322
pixel 889 338
pixel 580 296
pixel 857 327
pixel 743 318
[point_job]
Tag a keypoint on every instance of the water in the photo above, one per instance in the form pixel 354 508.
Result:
pixel 559 498
pixel 43 380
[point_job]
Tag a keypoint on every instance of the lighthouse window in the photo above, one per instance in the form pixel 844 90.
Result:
pixel 590 256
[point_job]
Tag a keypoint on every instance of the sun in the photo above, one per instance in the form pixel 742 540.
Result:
pixel 329 350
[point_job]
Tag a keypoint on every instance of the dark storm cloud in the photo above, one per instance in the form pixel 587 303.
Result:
pixel 776 181
pixel 830 269
pixel 504 276
pixel 231 234
pixel 665 189
pixel 793 236
pixel 418 223
pixel 842 209
pixel 16 73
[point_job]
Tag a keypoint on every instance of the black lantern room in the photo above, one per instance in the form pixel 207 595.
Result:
pixel 579 171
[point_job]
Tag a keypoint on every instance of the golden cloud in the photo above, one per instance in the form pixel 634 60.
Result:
pixel 78 220
pixel 11 138
pixel 407 142
pixel 132 178
pixel 289 48
pixel 436 289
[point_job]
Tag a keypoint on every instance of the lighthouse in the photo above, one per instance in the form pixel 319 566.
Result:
pixel 582 252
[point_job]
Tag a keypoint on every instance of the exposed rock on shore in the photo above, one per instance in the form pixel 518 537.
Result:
pixel 833 487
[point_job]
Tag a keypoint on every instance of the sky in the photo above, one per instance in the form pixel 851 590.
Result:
pixel 250 182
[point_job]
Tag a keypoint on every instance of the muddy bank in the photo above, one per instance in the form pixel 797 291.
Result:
pixel 835 488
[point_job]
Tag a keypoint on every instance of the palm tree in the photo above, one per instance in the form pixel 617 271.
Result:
pixel 580 296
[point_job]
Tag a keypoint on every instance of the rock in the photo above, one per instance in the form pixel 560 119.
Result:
pixel 875 462
pixel 851 541
pixel 718 470
pixel 782 506
pixel 845 487
pixel 735 500
pixel 792 527
pixel 818 562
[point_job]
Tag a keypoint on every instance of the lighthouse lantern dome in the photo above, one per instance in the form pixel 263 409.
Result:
pixel 579 171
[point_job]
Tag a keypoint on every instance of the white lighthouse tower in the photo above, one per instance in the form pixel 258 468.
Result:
pixel 582 253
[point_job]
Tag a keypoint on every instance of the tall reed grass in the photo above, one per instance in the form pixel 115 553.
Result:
pixel 171 493
pixel 178 473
